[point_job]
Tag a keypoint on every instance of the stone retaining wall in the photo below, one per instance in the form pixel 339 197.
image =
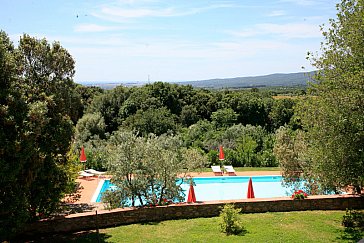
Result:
pixel 88 221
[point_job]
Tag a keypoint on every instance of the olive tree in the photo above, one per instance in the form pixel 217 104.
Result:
pixel 333 114
pixel 145 169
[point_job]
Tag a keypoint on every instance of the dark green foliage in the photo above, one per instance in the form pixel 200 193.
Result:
pixel 115 199
pixel 87 94
pixel 281 112
pixel 188 115
pixel 167 94
pixel 333 117
pixel 252 108
pixel 224 117
pixel 90 126
pixel 266 155
pixel 205 103
pixel 13 110
pixel 353 219
pixel 110 107
pixel 37 114
pixel 157 121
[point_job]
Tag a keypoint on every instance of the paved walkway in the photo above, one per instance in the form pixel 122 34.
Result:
pixel 88 185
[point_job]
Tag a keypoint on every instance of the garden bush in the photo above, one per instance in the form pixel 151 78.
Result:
pixel 229 220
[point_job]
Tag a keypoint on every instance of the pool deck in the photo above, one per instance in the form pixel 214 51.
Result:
pixel 88 185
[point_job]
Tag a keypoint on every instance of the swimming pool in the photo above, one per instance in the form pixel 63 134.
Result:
pixel 223 188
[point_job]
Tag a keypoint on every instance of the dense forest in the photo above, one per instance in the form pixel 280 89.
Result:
pixel 243 122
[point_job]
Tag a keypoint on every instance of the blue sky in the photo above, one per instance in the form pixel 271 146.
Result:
pixel 170 40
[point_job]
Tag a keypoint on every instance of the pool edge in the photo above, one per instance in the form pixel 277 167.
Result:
pixel 97 191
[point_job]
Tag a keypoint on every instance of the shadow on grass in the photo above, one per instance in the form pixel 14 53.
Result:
pixel 353 221
pixel 72 208
pixel 241 232
pixel 150 223
pixel 84 236
pixel 351 234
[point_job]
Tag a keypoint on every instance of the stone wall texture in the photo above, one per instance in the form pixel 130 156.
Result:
pixel 105 218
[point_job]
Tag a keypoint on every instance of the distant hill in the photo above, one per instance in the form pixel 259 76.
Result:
pixel 271 80
pixel 278 79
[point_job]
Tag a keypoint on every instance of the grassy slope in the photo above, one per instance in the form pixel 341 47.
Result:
pixel 309 226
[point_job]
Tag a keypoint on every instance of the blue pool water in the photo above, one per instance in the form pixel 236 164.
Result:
pixel 225 188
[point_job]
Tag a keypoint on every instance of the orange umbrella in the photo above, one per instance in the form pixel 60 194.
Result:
pixel 221 154
pixel 191 195
pixel 250 189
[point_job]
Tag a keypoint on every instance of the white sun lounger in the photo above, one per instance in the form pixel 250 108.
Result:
pixel 229 169
pixel 85 174
pixel 95 172
pixel 216 169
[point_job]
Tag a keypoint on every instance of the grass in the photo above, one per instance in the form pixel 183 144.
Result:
pixel 308 226
pixel 242 169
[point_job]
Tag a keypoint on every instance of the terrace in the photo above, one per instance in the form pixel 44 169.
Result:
pixel 92 215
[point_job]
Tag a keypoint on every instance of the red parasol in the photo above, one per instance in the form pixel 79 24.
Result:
pixel 221 154
pixel 191 195
pixel 250 189
pixel 83 158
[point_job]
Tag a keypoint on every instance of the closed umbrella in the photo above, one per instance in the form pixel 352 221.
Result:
pixel 83 158
pixel 221 154
pixel 250 189
pixel 191 195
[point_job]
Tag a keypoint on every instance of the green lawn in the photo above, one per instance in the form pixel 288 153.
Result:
pixel 248 169
pixel 308 226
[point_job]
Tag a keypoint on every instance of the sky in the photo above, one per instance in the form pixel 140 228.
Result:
pixel 174 40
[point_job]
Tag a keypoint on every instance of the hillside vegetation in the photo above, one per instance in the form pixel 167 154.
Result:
pixel 300 80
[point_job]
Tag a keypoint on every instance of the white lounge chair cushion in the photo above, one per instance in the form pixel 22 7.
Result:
pixel 229 168
pixel 216 168
pixel 85 174
pixel 95 172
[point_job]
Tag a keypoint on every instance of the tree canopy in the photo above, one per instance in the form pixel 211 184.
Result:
pixel 37 101
pixel 333 114
pixel 145 169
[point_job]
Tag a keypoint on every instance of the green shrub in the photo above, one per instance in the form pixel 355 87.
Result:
pixel 113 199
pixel 229 220
pixel 353 219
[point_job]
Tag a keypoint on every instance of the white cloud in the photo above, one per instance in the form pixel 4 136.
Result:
pixel 289 30
pixel 94 28
pixel 277 13
pixel 301 2
pixel 310 3
pixel 292 30
pixel 134 2
pixel 121 12
pixel 138 13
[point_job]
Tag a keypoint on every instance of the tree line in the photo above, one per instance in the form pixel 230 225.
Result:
pixel 242 121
